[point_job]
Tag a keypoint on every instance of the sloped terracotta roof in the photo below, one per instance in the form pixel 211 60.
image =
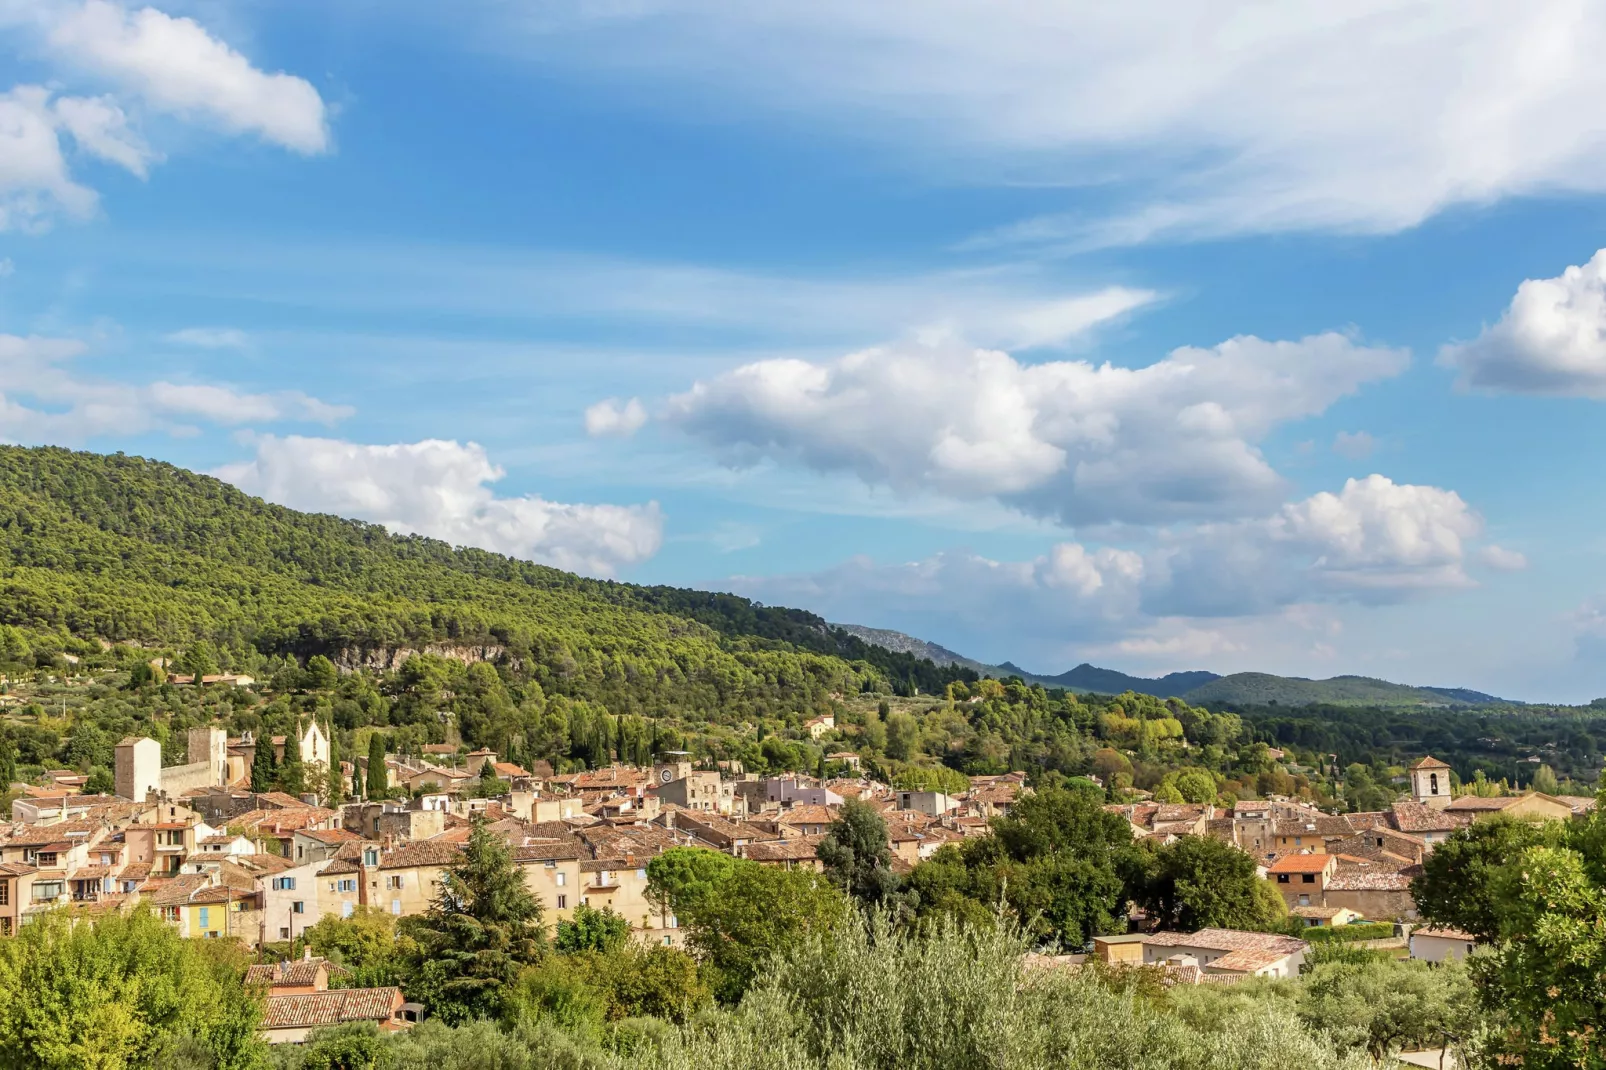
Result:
pixel 422 853
pixel 1247 961
pixel 1429 762
pixel 801 849
pixel 294 973
pixel 1370 880
pixel 1228 940
pixel 313 1009
pixel 1299 863
pixel 1408 815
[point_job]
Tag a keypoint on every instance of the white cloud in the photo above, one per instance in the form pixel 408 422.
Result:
pixel 441 489
pixel 176 66
pixel 34 178
pixel 7 268
pixel 1356 445
pixel 1551 340
pixel 209 337
pixel 1196 591
pixel 100 127
pixel 1062 439
pixel 609 417
pixel 69 407
pixel 167 65
pixel 1195 118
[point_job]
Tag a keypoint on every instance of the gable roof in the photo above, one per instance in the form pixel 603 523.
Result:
pixel 1429 762
pixel 294 973
pixel 305 1011
pixel 1407 815
pixel 1228 940
pixel 1313 863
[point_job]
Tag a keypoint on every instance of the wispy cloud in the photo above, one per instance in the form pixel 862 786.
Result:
pixel 1194 120
pixel 209 337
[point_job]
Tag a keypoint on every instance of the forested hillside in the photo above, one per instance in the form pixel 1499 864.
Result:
pixel 129 550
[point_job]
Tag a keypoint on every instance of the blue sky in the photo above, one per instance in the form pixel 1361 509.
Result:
pixel 1046 331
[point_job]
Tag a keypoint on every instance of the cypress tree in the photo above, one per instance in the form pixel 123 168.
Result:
pixel 262 770
pixel 377 786
pixel 292 771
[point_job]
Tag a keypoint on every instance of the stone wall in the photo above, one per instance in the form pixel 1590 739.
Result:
pixel 1374 905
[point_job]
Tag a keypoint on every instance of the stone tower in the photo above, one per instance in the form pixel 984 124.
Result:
pixel 210 745
pixel 1430 783
pixel 138 768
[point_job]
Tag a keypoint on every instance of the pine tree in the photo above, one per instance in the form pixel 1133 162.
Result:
pixel 478 935
pixel 377 786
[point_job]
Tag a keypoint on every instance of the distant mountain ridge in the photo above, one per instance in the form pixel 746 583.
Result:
pixel 1197 686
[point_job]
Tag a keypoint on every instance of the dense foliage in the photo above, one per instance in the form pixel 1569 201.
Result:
pixel 123 994
pixel 1536 895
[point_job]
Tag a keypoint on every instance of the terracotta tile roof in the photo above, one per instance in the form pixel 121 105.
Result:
pixel 422 853
pixel 801 849
pixel 1445 934
pixel 65 831
pixel 1480 804
pixel 563 849
pixel 331 836
pixel 1313 863
pixel 1247 961
pixel 1429 762
pixel 1369 880
pixel 285 821
pixel 15 869
pixel 330 1008
pixel 219 893
pixel 294 973
pixel 279 799
pixel 1316 912
pixel 1228 940
pixel 810 815
pixel 1408 815
pixel 178 889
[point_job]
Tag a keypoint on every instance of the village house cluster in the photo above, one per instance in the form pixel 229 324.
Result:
pixel 216 860
pixel 1332 869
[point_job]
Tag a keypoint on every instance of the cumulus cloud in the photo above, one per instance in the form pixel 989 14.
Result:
pixel 176 66
pixel 1374 541
pixel 34 177
pixel 43 399
pixel 609 417
pixel 1068 440
pixel 1214 118
pixel 163 64
pixel 442 489
pixel 1551 340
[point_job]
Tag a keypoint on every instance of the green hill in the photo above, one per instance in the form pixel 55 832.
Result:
pixel 129 550
pixel 1261 689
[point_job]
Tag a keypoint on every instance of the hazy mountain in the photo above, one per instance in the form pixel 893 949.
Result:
pixel 1198 686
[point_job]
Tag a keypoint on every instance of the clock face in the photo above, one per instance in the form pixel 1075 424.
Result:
pixel 667 775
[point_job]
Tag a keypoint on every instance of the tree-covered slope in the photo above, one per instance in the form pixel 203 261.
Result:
pixel 1260 689
pixel 131 550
